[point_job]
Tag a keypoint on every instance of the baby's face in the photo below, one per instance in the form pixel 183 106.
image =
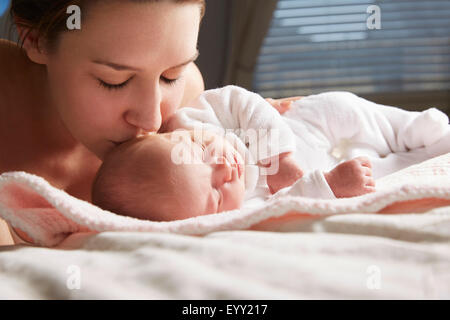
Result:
pixel 216 175
pixel 210 180
pixel 218 172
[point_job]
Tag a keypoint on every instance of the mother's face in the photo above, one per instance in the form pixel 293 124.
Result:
pixel 122 73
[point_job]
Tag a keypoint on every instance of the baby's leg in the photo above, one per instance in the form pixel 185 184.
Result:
pixel 398 160
pixel 384 129
pixel 416 130
pixel 393 138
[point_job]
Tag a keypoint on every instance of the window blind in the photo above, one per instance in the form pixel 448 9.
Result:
pixel 325 45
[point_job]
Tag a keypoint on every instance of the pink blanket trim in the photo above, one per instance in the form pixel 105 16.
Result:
pixel 49 215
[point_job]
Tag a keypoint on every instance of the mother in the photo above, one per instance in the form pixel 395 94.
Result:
pixel 69 96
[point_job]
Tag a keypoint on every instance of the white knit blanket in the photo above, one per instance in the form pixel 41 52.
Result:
pixel 49 215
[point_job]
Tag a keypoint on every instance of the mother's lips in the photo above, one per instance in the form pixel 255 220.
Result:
pixel 139 135
pixel 118 143
pixel 115 143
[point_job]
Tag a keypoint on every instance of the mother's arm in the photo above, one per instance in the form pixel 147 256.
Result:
pixel 5 235
pixel 194 84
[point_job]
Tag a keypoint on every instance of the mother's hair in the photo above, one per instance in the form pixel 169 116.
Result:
pixel 48 17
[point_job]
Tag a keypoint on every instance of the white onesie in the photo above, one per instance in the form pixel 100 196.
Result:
pixel 333 127
pixel 322 130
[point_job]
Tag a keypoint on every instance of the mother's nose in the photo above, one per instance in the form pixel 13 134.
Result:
pixel 145 114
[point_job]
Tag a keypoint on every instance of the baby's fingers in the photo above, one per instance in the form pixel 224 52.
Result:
pixel 367 171
pixel 364 161
pixel 291 99
pixel 369 182
pixel 369 189
pixel 283 105
pixel 280 106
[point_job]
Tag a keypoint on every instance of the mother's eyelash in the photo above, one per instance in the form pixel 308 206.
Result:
pixel 113 86
pixel 169 81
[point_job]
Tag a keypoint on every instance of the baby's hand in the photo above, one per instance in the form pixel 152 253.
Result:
pixel 288 172
pixel 282 105
pixel 351 178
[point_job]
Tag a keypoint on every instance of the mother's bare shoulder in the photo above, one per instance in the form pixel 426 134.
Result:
pixel 14 73
pixel 11 55
pixel 5 235
pixel 12 63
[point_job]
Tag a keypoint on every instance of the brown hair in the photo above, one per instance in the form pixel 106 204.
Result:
pixel 133 181
pixel 48 17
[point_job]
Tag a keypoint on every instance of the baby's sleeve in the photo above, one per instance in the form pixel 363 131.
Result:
pixel 251 118
pixel 311 185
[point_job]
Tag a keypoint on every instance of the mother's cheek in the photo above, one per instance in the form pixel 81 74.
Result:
pixel 172 101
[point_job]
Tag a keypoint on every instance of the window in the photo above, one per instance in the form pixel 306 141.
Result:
pixel 4 5
pixel 326 45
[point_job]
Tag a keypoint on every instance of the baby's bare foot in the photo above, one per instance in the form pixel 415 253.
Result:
pixel 351 178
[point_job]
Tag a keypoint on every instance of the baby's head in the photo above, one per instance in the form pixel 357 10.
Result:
pixel 172 176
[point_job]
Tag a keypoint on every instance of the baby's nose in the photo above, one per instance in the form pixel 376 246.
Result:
pixel 224 169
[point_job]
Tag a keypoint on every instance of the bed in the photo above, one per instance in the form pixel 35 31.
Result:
pixel 394 244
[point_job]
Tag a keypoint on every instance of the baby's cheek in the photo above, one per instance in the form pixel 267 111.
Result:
pixel 239 194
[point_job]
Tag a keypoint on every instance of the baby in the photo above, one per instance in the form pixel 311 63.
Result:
pixel 234 145
pixel 145 179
